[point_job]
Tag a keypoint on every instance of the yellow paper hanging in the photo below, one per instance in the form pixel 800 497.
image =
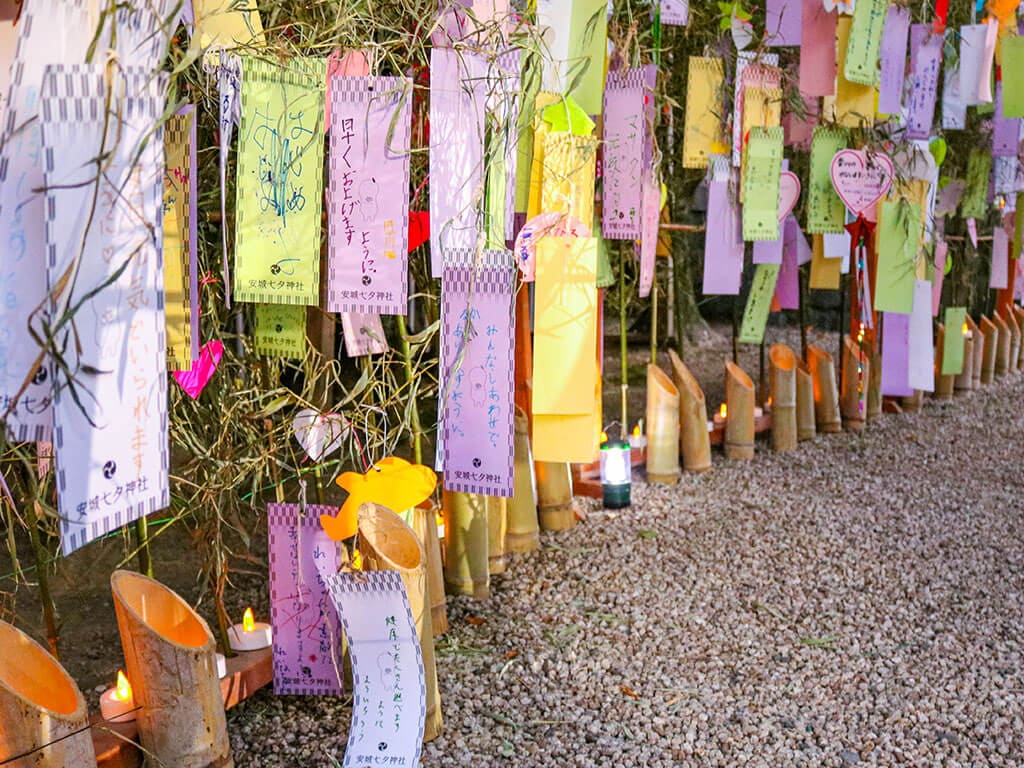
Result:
pixel 824 272
pixel 541 129
pixel 227 23
pixel 177 297
pixel 570 164
pixel 703 128
pixel 854 103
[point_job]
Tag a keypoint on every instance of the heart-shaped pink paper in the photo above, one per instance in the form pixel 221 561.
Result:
pixel 861 181
pixel 789 193
pixel 194 380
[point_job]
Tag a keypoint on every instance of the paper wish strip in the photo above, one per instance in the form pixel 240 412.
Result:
pixel 765 77
pixel 953 341
pixel 924 81
pixel 503 105
pixel 280 182
pixel 723 240
pixel 893 52
pixel 782 22
pixel 49 31
pixel 817 50
pixel 364 334
pixel 761 184
pixel 979 167
pixel 1005 130
pixel 576 39
pixel 921 363
pixel 570 166
pixel 180 241
pixel 854 102
pixel 703 126
pixel 457 80
pixel 388 683
pixel 624 137
pixel 954 111
pixel 825 210
pixel 227 23
pixel 977 47
pixel 861 62
pixel 307 635
pixel 369 201
pixel 895 355
pixel 110 422
pixel 279 330
pixel 898 235
pixel 8 47
pixel 478 332
pixel 759 303
pixel 675 12
pixel 1012 52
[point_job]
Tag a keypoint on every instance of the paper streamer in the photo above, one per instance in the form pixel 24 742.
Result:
pixel 759 303
pixel 921 363
pixel 49 31
pixel 761 184
pixel 953 341
pixel 279 330
pixel 307 635
pixel 624 137
pixel 369 208
pixel 675 12
pixel 364 334
pixel 817 50
pixel 388 688
pixel 924 81
pixel 782 22
pixel 478 409
pixel 861 62
pixel 723 242
pixel 898 236
pixel 703 121
pixel 457 94
pixel 110 431
pixel 280 182
pixel 896 355
pixel 825 211
pixel 576 38
pixel 893 52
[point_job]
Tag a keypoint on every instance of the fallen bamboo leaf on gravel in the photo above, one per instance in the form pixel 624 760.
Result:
pixel 645 534
pixel 476 621
pixel 629 691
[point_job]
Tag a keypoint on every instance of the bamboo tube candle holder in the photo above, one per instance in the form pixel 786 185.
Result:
pixel 782 375
pixel 466 535
pixel 497 526
pixel 1010 318
pixel 853 400
pixel 944 384
pixel 694 439
pixel 1003 344
pixel 523 534
pixel 1018 314
pixel 739 423
pixel 805 429
pixel 170 657
pixel 424 524
pixel 386 543
pixel 989 350
pixel 826 392
pixel 964 381
pixel 554 496
pixel 662 428
pixel 912 403
pixel 979 352
pixel 41 708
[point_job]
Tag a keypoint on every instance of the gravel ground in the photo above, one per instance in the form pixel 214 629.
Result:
pixel 857 601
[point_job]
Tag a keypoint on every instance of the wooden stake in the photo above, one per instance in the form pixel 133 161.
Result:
pixel 782 368
pixel 694 438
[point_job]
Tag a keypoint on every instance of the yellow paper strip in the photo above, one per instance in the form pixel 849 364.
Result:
pixel 570 164
pixel 177 297
pixel 540 132
pixel 824 272
pixel 854 103
pixel 227 23
pixel 703 127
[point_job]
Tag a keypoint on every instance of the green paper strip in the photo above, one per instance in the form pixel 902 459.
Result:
pixel 279 330
pixel 1012 52
pixel 825 211
pixel 759 303
pixel 953 341
pixel 899 234
pixel 975 200
pixel 861 65
pixel 761 184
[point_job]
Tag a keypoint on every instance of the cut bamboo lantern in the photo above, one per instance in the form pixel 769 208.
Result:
pixel 826 393
pixel 1010 319
pixel 386 543
pixel 979 353
pixel 662 428
pixel 964 381
pixel 875 386
pixel 171 662
pixel 466 536
pixel 782 374
pixel 943 383
pixel 497 526
pixel 523 529
pixel 694 439
pixel 554 496
pixel 805 429
pixel 41 708
pixel 1003 344
pixel 853 401
pixel 424 523
pixel 739 422
pixel 1018 313
pixel 990 346
pixel 912 403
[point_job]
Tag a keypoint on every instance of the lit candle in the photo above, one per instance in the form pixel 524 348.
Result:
pixel 117 703
pixel 637 440
pixel 249 635
pixel 966 330
pixel 758 413
pixel 722 416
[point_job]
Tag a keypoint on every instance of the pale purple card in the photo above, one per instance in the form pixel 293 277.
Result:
pixel 954 111
pixel 505 97
pixel 675 12
pixel 307 638
pixel 921 348
pixel 624 138
pixel 650 207
pixel 368 204
pixel 817 50
pixel 1005 130
pixel 783 22
pixel 926 61
pixel 895 354
pixel 477 326
pixel 787 288
pixel 941 253
pixel 999 276
pixel 364 334
pixel 458 84
pixel 723 243
pixel 972 61
pixel 768 251
pixel 893 53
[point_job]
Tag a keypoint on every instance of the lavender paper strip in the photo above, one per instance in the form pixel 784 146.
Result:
pixel 675 12
pixel 723 243
pixel 894 60
pixel 895 354
pixel 972 64
pixel 504 102
pixel 457 85
pixel 651 216
pixel 999 275
pixel 307 636
pixel 1005 130
pixel 787 288
pixel 369 201
pixel 921 348
pixel 954 111
pixel 783 22
pixel 364 334
pixel 926 60
pixel 624 138
pixel 769 251
pixel 477 411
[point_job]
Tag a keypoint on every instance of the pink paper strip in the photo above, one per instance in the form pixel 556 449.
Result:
pixel 723 243
pixel 999 276
pixel 894 60
pixel 650 215
pixel 783 22
pixel 624 136
pixel 926 62
pixel 787 288
pixel 364 334
pixel 800 130
pixel 817 50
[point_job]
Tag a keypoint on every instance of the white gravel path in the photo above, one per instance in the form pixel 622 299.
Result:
pixel 857 601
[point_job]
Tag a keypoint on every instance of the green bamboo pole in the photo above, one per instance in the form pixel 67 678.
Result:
pixel 145 556
pixel 45 595
pixel 414 409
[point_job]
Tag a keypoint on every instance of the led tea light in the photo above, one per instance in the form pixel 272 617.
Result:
pixel 117 703
pixel 250 635
pixel 637 439
pixel 616 472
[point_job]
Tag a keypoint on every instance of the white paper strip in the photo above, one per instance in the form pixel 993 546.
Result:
pixel 921 358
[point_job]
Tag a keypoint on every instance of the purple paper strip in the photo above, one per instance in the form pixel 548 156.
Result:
pixel 624 134
pixel 783 22
pixel 768 251
pixel 458 81
pixel 941 253
pixel 817 50
pixel 787 288
pixel 895 354
pixel 368 202
pixel 364 334
pixel 723 243
pixel 894 60
pixel 307 641
pixel 478 330
pixel 675 12
pixel 999 276
pixel 651 215
pixel 1005 130
pixel 926 62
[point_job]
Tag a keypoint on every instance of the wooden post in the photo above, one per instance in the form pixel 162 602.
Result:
pixel 782 374
pixel 169 656
pixel 853 400
pixel 466 543
pixel 943 384
pixel 662 428
pixel 739 422
pixel 1003 344
pixel 523 529
pixel 388 544
pixel 423 521
pixel 694 437
pixel 497 526
pixel 43 716
pixel 805 429
pixel 826 393
pixel 990 346
pixel 554 496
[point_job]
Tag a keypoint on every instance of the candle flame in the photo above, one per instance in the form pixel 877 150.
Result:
pixel 636 431
pixel 440 520
pixel 123 691
pixel 604 437
pixel 357 560
pixel 723 410
pixel 965 329
pixel 248 623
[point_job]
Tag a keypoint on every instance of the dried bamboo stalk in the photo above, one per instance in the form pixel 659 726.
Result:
pixel 1010 318
pixel 497 526
pixel 979 353
pixel 964 381
pixel 782 375
pixel 523 529
pixel 41 708
pixel 1003 342
pixel 694 439
pixel 1018 313
pixel 169 654
pixel 662 428
pixel 853 400
pixel 805 429
pixel 826 392
pixel 912 403
pixel 386 543
pixel 424 523
pixel 943 383
pixel 466 533
pixel 739 423
pixel 554 496
pixel 989 351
